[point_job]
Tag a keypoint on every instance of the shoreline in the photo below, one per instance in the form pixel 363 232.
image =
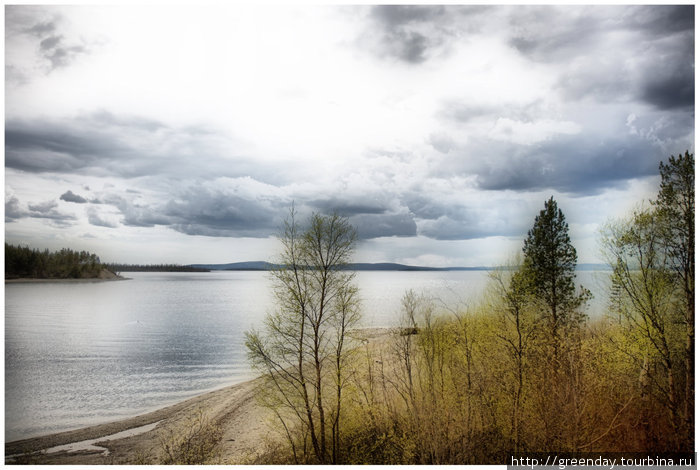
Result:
pixel 103 275
pixel 33 280
pixel 213 402
pixel 233 407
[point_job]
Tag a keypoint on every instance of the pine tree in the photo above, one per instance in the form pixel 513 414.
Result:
pixel 549 268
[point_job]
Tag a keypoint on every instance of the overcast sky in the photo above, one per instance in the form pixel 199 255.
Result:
pixel 183 134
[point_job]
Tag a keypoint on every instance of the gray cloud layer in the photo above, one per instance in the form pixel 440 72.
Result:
pixel 104 144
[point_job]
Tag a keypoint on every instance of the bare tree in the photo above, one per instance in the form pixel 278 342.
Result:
pixel 303 349
pixel 675 204
pixel 645 284
pixel 517 327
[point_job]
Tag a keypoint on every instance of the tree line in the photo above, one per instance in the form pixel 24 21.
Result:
pixel 523 370
pixel 24 262
pixel 121 267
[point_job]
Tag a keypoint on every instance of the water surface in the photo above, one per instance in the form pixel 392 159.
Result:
pixel 78 354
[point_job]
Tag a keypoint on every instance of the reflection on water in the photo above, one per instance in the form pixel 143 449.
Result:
pixel 82 353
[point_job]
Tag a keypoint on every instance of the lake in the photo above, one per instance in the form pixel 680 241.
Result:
pixel 84 353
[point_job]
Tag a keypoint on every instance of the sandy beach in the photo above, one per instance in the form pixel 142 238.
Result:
pixel 233 408
pixel 246 427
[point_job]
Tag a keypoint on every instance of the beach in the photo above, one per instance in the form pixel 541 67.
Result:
pixel 233 408
pixel 248 429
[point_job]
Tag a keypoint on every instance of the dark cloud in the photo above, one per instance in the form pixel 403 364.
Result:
pixel 383 225
pixel 398 15
pixel 411 46
pixel 218 213
pixel 349 207
pixel 672 84
pixel 46 146
pixel 225 212
pixel 103 144
pixel 584 163
pixel 13 211
pixel 69 196
pixel 372 213
pixel 415 33
pixel 200 211
pixel 613 53
pixel 662 20
pixel 676 90
pixel 570 164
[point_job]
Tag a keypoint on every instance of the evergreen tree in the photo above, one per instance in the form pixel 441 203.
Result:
pixel 549 265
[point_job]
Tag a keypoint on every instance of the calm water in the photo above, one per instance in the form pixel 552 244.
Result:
pixel 84 353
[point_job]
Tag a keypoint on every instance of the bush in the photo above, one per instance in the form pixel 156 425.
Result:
pixel 198 441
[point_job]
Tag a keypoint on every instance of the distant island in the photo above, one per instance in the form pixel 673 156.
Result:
pixel 23 263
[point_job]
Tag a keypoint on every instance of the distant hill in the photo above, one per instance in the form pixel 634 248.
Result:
pixel 244 266
pixel 265 266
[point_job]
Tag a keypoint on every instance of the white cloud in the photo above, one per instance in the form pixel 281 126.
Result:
pixel 455 123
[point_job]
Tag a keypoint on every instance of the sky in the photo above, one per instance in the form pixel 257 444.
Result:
pixel 184 134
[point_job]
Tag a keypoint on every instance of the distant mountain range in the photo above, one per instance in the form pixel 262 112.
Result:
pixel 265 266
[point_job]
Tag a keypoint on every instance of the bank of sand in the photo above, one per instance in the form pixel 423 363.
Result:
pixel 246 426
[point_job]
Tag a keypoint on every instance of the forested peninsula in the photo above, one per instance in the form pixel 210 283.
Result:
pixel 22 262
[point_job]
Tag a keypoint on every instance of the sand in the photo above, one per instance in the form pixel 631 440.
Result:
pixel 248 430
pixel 234 408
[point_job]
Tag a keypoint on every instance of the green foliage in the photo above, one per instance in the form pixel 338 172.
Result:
pixel 525 370
pixel 23 262
pixel 652 256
